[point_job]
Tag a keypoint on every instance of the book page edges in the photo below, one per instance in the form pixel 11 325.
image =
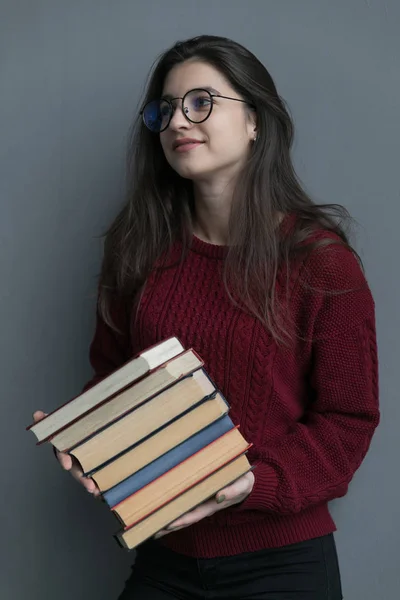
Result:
pixel 177 347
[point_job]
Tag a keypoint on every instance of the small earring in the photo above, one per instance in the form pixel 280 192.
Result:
pixel 255 138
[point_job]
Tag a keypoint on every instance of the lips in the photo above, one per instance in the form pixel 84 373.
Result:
pixel 186 143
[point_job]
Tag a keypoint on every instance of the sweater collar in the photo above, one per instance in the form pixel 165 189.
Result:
pixel 219 252
pixel 208 249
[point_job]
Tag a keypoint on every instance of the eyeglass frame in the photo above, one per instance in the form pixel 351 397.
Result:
pixel 170 100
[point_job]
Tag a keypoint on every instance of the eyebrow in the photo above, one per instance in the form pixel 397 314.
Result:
pixel 199 87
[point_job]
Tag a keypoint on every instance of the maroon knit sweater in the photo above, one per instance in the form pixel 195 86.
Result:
pixel 310 409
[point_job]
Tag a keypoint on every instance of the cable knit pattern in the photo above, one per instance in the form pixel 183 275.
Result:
pixel 309 409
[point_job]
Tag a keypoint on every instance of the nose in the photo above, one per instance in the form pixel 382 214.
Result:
pixel 179 121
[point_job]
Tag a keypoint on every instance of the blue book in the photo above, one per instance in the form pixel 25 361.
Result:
pixel 167 461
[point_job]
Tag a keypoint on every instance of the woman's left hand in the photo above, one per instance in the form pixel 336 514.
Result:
pixel 233 494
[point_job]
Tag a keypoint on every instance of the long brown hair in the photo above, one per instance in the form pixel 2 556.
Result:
pixel 159 206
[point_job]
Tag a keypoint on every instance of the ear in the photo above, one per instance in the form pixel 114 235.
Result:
pixel 252 125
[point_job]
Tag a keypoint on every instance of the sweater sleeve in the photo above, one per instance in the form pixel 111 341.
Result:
pixel 317 458
pixel 110 349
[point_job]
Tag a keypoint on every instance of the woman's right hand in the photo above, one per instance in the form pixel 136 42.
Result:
pixel 70 464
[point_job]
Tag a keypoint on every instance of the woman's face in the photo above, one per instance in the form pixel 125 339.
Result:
pixel 222 142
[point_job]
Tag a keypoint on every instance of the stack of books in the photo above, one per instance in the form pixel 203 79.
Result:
pixel 155 436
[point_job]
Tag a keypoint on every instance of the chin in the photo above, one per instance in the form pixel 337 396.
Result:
pixel 193 172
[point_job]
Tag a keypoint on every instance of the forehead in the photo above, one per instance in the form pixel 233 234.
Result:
pixel 194 74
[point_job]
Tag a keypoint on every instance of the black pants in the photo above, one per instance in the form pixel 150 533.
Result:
pixel 305 571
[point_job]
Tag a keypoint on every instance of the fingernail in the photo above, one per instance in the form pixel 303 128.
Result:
pixel 171 527
pixel 220 499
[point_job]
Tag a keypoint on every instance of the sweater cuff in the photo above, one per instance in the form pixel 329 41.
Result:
pixel 263 494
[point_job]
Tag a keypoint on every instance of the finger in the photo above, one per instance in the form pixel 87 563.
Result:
pixel 161 533
pixel 38 415
pixel 90 485
pixel 87 483
pixel 65 460
pixel 74 468
pixel 68 464
pixel 241 487
pixel 168 530
pixel 96 492
pixel 206 509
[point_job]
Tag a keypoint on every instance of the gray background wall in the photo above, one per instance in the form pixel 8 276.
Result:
pixel 71 74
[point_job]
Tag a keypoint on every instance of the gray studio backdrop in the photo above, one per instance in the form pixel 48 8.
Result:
pixel 71 75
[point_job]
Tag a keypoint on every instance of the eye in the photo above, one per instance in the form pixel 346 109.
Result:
pixel 198 101
pixel 202 101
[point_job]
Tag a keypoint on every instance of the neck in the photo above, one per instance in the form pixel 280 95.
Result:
pixel 213 206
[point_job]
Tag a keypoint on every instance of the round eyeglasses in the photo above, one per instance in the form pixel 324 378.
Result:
pixel 196 104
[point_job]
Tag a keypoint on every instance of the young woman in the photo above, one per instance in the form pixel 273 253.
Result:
pixel 219 245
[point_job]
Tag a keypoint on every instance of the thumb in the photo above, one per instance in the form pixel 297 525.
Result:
pixel 38 415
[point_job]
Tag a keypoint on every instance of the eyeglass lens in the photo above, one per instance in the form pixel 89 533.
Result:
pixel 197 105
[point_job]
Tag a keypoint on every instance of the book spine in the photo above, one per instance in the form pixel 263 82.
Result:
pixel 167 461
